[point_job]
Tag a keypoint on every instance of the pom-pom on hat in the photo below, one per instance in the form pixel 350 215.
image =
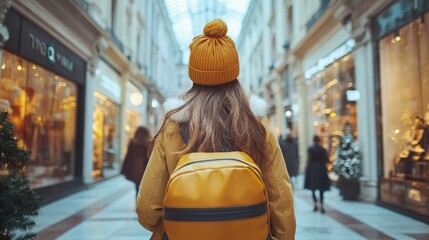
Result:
pixel 213 59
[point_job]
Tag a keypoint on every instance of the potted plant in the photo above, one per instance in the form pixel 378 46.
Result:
pixel 348 165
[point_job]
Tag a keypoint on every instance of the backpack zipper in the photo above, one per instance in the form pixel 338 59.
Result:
pixel 219 159
pixel 214 214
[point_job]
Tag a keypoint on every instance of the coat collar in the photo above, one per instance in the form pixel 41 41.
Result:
pixel 257 105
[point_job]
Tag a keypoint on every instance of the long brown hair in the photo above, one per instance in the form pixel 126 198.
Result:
pixel 221 119
pixel 142 136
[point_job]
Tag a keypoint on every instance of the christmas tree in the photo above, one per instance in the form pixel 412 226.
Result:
pixel 18 203
pixel 348 160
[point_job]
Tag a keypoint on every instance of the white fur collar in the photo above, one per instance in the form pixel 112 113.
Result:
pixel 258 106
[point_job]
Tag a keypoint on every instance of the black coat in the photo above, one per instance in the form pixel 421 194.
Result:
pixel 135 161
pixel 289 149
pixel 316 174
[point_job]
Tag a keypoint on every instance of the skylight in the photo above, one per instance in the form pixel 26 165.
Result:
pixel 190 16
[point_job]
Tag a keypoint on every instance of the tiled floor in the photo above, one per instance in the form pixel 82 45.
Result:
pixel 106 211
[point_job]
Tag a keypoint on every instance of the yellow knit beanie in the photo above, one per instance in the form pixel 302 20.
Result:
pixel 213 59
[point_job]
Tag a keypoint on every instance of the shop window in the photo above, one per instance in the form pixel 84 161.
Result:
pixel 105 137
pixel 132 123
pixel 404 73
pixel 133 113
pixel 404 70
pixel 43 110
pixel 330 107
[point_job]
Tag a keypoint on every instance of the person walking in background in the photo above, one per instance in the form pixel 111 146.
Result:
pixel 136 159
pixel 289 148
pixel 316 174
pixel 219 117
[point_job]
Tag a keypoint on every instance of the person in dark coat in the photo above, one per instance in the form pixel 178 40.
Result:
pixel 289 149
pixel 316 176
pixel 136 159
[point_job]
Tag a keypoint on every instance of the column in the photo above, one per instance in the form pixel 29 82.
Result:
pixel 123 114
pixel 365 78
pixel 91 77
pixel 145 105
pixel 303 136
pixel 88 151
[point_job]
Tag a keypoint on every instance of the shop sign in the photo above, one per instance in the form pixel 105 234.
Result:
pixel 352 95
pixel 13 23
pixel 48 50
pixel 108 82
pixel 397 15
pixel 39 47
pixel 331 58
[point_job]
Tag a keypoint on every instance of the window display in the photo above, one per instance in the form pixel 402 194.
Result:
pixel 331 104
pixel 105 137
pixel 133 121
pixel 43 109
pixel 404 74
pixel 134 107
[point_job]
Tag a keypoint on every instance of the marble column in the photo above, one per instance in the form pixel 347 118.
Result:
pixel 366 115
pixel 91 77
pixel 303 118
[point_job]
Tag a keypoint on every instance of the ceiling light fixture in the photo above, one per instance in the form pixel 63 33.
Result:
pixel 396 37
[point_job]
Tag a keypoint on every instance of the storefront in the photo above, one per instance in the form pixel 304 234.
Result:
pixel 332 96
pixel 43 82
pixel 155 115
pixel 402 35
pixel 290 103
pixel 107 102
pixel 135 103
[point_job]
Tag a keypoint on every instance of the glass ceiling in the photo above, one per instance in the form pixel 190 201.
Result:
pixel 190 16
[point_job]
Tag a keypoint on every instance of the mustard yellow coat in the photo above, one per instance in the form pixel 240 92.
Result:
pixel 163 161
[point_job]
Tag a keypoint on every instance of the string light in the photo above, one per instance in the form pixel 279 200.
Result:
pixel 396 37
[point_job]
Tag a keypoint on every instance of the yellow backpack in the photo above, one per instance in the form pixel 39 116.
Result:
pixel 216 196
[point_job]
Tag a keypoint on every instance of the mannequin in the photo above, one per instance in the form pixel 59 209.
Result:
pixel 417 140
pixel 416 131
